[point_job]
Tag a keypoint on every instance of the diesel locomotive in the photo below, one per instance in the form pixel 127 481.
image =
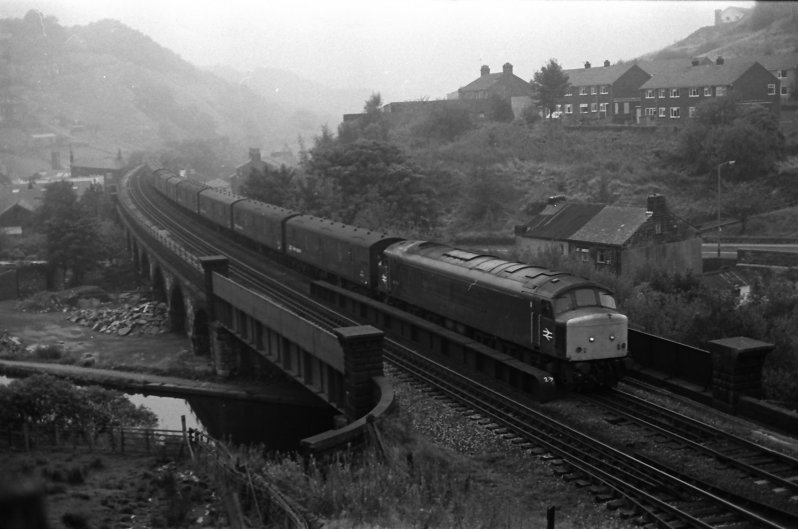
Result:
pixel 565 324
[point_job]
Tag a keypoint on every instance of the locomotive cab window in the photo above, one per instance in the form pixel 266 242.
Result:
pixel 606 300
pixel 585 297
pixel 563 304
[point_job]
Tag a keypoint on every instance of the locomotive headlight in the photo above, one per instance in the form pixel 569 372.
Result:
pixel 591 339
pixel 612 337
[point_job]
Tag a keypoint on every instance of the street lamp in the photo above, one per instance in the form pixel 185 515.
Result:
pixel 730 162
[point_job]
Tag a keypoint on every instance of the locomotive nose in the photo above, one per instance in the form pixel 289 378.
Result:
pixel 596 337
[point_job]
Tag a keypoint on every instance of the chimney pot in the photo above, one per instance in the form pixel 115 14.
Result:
pixel 507 69
pixel 485 70
pixel 587 65
pixel 606 63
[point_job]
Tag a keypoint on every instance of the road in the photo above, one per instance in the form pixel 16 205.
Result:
pixel 729 250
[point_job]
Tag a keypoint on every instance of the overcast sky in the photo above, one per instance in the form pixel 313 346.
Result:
pixel 403 49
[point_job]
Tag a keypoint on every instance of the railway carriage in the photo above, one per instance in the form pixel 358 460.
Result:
pixel 346 252
pixel 216 206
pixel 262 223
pixel 187 193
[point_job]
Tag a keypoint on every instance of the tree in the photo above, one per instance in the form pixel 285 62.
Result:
pixel 444 122
pixel 43 400
pixel 724 130
pixel 743 200
pixel 72 243
pixel 549 85
pixel 370 182
pixel 500 109
pixel 273 186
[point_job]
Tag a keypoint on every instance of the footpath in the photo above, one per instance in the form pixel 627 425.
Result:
pixel 272 391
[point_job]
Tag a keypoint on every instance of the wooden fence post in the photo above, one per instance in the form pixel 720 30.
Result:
pixel 550 512
pixel 122 440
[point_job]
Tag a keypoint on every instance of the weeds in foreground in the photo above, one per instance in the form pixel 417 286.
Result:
pixel 414 484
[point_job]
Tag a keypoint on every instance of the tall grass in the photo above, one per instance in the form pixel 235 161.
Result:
pixel 414 484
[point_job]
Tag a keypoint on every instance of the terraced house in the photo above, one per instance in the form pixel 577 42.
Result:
pixel 610 92
pixel 671 98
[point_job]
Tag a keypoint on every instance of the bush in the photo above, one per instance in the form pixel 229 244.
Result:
pixel 49 352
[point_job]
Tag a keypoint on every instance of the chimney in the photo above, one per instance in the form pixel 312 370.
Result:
pixel 696 61
pixel 485 70
pixel 55 160
pixel 719 60
pixel 507 69
pixel 254 154
pixel 656 204
pixel 587 65
pixel 556 200
pixel 606 63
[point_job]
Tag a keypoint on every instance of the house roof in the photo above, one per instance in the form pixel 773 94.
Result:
pixel 485 82
pixel 662 66
pixel 786 61
pixel 560 221
pixel 612 225
pixel 702 75
pixel 592 223
pixel 597 75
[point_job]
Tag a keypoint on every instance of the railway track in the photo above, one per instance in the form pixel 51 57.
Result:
pixel 635 486
pixel 743 461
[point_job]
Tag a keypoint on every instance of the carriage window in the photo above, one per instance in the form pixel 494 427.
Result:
pixel 606 300
pixel 585 297
pixel 546 309
pixel 563 304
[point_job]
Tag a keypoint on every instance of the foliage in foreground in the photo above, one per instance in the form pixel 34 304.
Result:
pixel 46 401
pixel 415 485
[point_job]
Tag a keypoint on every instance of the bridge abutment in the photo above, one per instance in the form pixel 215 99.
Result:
pixel 362 347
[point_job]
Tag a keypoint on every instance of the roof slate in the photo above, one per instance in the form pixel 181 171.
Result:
pixel 561 221
pixel 597 75
pixel 485 82
pixel 670 65
pixel 613 225
pixel 786 61
pixel 591 223
pixel 702 75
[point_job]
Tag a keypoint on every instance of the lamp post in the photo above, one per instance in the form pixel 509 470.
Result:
pixel 730 162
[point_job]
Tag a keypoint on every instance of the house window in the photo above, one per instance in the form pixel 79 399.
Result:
pixel 694 92
pixel 691 112
pixel 651 111
pixel 663 112
pixel 569 91
pixel 720 91
pixel 616 108
pixel 649 94
pixel 708 91
pixel 583 108
pixel 784 91
pixel 663 93
pixel 582 254
pixel 603 107
pixel 593 90
pixel 781 74
pixel 583 91
pixel 605 89
pixel 674 92
pixel 603 257
pixel 771 89
pixel 593 107
pixel 569 109
pixel 674 112
pixel 626 107
pixel 558 108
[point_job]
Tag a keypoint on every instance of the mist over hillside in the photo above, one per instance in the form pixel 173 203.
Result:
pixel 112 87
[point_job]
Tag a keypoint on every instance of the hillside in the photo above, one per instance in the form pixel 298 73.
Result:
pixel 771 28
pixel 111 87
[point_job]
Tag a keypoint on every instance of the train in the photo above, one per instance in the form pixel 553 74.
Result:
pixel 565 324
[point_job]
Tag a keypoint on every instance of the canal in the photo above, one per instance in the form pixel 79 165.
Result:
pixel 275 426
